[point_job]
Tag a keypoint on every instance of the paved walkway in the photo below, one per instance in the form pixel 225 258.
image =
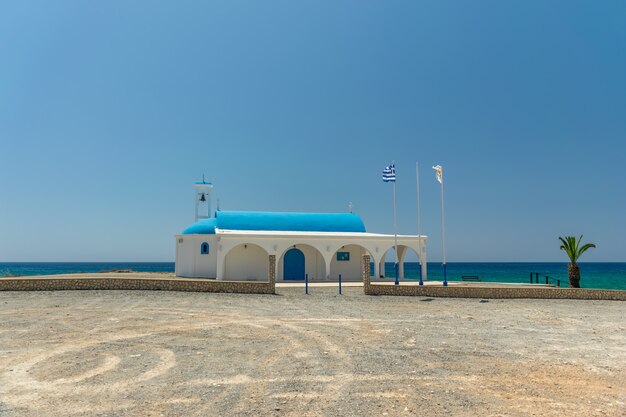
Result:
pixel 279 284
pixel 413 283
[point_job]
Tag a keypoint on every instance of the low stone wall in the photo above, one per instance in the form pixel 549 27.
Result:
pixel 107 283
pixel 484 292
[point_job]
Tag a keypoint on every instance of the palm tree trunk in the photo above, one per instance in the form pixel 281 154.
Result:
pixel 574 275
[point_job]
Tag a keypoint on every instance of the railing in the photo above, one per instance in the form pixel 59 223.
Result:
pixel 536 276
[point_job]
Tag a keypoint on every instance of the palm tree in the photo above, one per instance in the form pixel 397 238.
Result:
pixel 572 248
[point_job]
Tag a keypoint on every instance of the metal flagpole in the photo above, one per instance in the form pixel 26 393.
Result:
pixel 389 175
pixel 395 227
pixel 419 236
pixel 443 236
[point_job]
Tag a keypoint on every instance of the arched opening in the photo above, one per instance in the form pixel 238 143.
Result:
pixel 313 261
pixel 408 266
pixel 246 262
pixel 347 262
pixel 387 264
pixel 204 248
pixel 293 265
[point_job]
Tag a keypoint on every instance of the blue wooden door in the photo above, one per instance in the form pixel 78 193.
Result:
pixel 293 264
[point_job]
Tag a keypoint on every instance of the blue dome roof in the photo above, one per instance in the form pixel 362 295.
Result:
pixel 203 227
pixel 295 222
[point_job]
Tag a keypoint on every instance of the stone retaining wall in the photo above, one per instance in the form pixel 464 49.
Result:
pixel 173 284
pixel 484 292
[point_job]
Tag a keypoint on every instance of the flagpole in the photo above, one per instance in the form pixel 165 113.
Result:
pixel 389 175
pixel 395 227
pixel 419 236
pixel 443 236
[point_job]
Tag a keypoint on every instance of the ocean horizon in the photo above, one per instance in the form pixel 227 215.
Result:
pixel 605 275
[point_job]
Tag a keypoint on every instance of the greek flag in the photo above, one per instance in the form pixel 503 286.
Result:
pixel 389 173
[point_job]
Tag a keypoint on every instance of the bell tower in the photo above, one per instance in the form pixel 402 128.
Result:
pixel 203 199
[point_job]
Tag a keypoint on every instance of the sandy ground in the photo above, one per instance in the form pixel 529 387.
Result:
pixel 124 353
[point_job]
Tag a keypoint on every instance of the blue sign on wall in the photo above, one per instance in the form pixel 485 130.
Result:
pixel 343 256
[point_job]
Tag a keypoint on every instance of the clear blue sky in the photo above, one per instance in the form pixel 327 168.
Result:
pixel 109 111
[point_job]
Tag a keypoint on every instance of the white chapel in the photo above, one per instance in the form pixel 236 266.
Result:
pixel 235 245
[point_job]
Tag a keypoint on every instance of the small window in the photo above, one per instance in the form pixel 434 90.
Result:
pixel 343 256
pixel 204 248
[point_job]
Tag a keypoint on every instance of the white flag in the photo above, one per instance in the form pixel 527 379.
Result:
pixel 439 170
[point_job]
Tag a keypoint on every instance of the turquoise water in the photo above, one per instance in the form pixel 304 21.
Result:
pixel 53 268
pixel 610 275
pixel 593 275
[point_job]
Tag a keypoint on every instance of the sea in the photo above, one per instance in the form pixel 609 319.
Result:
pixel 601 275
pixel 611 275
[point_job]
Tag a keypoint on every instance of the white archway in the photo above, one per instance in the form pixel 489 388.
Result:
pixel 405 251
pixel 382 269
pixel 246 262
pixel 347 261
pixel 314 262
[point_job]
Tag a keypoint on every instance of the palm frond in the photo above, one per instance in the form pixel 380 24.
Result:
pixel 585 247
pixel 571 246
pixel 577 246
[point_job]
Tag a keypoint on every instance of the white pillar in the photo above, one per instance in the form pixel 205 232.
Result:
pixel 376 268
pixel 424 263
pixel 220 262
pixel 177 263
pixel 327 261
pixel 401 253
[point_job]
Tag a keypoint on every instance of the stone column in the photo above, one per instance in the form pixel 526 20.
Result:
pixel 365 272
pixel 271 276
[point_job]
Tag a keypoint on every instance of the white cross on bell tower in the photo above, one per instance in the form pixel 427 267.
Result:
pixel 203 199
